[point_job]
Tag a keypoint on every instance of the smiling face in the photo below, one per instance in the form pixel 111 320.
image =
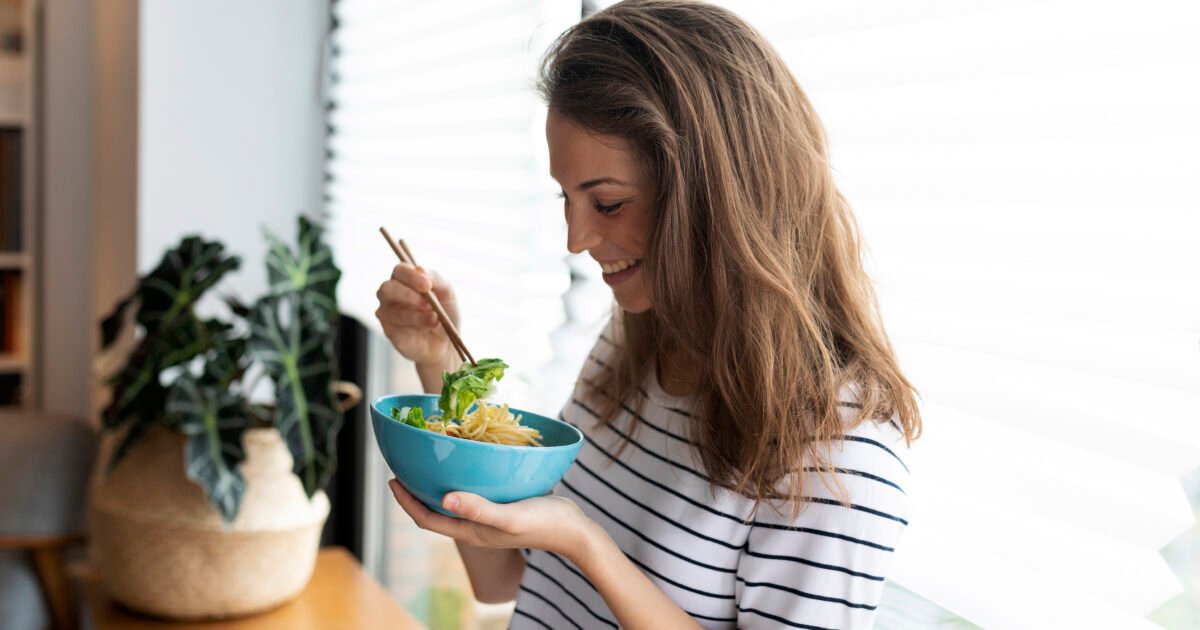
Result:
pixel 607 200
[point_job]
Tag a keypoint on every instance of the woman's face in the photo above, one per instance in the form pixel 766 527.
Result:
pixel 607 202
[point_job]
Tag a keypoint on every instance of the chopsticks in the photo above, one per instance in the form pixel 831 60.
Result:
pixel 405 256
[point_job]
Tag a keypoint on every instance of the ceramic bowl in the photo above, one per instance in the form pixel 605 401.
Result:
pixel 429 464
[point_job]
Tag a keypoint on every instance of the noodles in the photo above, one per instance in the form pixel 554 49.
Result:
pixel 483 422
pixel 486 422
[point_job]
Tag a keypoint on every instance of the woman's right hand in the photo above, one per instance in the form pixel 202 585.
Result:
pixel 410 323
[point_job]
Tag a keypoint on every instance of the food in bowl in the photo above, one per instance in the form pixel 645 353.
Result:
pixel 485 422
pixel 430 464
pixel 464 413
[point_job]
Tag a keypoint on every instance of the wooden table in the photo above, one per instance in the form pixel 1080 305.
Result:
pixel 340 595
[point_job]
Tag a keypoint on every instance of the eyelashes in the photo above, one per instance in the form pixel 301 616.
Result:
pixel 597 206
pixel 602 209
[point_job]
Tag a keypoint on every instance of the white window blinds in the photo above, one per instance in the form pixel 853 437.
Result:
pixel 1026 178
pixel 438 135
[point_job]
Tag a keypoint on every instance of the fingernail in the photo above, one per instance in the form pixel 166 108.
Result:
pixel 450 502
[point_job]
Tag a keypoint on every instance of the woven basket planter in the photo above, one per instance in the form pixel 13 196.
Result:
pixel 162 549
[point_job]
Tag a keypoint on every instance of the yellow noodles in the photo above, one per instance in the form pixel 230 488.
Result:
pixel 486 422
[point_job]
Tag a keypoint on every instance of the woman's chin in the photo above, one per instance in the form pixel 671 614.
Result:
pixel 633 304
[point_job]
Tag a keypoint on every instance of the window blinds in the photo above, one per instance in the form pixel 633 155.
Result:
pixel 1025 177
pixel 437 134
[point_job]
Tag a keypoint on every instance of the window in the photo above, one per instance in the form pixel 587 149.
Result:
pixel 1024 174
pixel 437 135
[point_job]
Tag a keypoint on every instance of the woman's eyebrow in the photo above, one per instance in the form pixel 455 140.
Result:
pixel 591 183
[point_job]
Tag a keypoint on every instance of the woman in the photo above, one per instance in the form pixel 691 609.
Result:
pixel 745 416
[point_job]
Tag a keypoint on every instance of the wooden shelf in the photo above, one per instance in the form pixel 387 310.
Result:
pixel 13 88
pixel 10 364
pixel 13 260
pixel 19 120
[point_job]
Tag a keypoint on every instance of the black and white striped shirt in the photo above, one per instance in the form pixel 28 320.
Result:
pixel 825 569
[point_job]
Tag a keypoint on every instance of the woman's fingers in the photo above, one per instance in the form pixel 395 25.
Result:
pixel 424 517
pixel 413 277
pixel 477 509
pixel 478 514
pixel 396 293
pixel 407 318
pixel 441 287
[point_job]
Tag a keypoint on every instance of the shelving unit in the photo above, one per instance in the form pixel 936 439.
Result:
pixel 19 141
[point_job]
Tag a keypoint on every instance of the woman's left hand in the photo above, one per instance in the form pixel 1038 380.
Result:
pixel 552 523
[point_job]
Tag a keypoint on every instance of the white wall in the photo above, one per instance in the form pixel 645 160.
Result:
pixel 161 119
pixel 231 131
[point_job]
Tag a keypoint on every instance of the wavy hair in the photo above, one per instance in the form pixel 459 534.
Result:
pixel 753 263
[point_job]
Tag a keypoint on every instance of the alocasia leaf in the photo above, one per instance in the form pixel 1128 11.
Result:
pixel 309 271
pixel 227 360
pixel 213 419
pixel 137 393
pixel 296 347
pixel 171 334
pixel 181 277
pixel 110 326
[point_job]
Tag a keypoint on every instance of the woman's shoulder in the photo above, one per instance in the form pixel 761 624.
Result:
pixel 872 444
pixel 862 478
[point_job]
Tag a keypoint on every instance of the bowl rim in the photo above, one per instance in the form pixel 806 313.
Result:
pixel 577 443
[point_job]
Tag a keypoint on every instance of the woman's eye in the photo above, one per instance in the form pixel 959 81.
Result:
pixel 603 209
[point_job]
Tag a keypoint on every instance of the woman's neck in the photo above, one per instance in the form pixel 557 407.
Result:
pixel 677 375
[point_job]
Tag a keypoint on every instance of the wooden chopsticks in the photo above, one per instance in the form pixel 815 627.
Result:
pixel 405 256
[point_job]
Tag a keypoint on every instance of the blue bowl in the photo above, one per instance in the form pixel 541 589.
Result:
pixel 430 464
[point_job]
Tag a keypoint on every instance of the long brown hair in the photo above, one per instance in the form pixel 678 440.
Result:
pixel 753 263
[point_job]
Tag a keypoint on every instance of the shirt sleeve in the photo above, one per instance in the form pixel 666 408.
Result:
pixel 826 568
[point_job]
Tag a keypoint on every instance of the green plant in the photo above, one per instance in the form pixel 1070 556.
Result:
pixel 188 373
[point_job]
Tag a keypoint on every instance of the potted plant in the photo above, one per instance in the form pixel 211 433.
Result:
pixel 211 502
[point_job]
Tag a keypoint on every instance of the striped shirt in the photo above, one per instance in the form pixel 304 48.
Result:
pixel 825 569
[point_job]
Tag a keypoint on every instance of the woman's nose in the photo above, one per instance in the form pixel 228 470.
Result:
pixel 581 231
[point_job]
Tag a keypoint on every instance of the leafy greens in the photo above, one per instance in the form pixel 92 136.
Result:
pixel 460 390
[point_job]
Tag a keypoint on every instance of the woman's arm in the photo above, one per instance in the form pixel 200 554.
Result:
pixel 630 595
pixel 495 574
pixel 554 524
pixel 431 373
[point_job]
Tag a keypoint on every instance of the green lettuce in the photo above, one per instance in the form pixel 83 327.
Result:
pixel 412 416
pixel 470 383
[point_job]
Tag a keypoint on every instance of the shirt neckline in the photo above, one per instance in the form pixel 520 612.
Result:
pixel 655 393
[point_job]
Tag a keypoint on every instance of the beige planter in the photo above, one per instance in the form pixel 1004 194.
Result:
pixel 162 549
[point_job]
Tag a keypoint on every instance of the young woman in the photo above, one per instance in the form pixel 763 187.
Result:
pixel 746 420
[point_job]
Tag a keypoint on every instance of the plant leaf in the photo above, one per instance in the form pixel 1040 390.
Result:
pixel 293 341
pixel 110 326
pixel 237 306
pixel 213 420
pixel 183 275
pixel 137 394
pixel 133 435
pixel 309 271
pixel 227 360
pixel 171 334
